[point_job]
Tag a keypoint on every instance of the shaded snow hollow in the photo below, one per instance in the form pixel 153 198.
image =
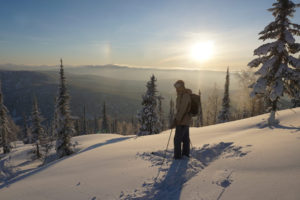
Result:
pixel 243 159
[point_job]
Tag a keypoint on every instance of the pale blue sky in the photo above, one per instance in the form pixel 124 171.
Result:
pixel 152 33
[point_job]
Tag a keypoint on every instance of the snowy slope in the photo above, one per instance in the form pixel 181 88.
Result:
pixel 238 160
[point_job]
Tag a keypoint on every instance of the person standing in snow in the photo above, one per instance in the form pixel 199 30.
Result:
pixel 182 120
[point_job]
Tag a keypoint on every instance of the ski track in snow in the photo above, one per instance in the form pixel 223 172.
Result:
pixel 173 174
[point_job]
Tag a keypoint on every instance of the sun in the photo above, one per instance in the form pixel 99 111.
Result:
pixel 202 51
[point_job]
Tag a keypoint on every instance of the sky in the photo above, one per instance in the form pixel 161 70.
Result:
pixel 138 33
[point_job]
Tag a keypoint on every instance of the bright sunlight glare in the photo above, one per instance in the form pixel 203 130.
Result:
pixel 202 51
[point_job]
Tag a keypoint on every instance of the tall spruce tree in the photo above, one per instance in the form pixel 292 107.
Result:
pixel 65 128
pixel 5 129
pixel 148 114
pixel 224 114
pixel 38 132
pixel 277 73
pixel 171 113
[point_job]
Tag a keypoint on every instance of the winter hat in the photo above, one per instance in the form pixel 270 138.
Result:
pixel 179 83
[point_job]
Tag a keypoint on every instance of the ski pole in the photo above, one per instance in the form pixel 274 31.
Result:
pixel 167 147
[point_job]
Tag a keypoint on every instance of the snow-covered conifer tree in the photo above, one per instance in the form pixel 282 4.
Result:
pixel 104 127
pixel 5 129
pixel 171 113
pixel 148 114
pixel 38 132
pixel 224 113
pixel 65 128
pixel 277 72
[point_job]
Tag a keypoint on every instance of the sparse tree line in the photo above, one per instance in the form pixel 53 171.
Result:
pixel 278 76
pixel 104 124
pixel 214 109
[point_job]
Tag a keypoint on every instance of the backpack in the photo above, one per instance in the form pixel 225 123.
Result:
pixel 195 101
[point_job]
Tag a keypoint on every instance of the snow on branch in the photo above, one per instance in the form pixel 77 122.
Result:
pixel 295 31
pixel 259 87
pixel 295 62
pixel 257 61
pixel 263 71
pixel 289 37
pixel 294 48
pixel 296 26
pixel 270 35
pixel 269 28
pixel 264 49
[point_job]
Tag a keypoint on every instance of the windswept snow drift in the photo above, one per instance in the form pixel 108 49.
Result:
pixel 243 159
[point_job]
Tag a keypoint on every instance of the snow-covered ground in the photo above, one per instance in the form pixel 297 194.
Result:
pixel 239 160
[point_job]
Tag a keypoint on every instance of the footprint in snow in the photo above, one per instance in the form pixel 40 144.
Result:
pixel 225 183
pixel 222 178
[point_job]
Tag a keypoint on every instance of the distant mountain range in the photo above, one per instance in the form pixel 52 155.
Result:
pixel 120 87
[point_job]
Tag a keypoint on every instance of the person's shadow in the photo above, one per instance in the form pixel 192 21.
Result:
pixel 170 187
